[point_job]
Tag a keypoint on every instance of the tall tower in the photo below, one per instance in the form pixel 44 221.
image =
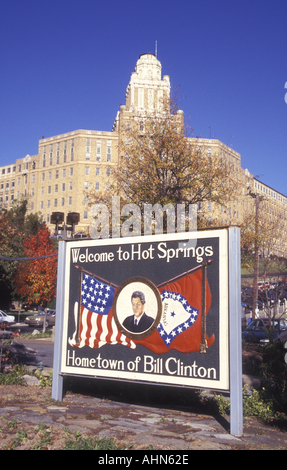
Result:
pixel 145 93
pixel 146 89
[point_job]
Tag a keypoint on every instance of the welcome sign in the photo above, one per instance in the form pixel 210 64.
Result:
pixel 151 308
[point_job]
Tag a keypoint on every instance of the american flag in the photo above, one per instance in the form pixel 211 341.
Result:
pixel 97 324
pixel 178 316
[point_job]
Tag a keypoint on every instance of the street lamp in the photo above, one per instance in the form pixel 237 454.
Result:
pixel 56 219
pixel 73 218
pixel 258 199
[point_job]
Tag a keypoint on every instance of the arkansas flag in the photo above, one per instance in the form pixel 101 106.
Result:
pixel 96 324
pixel 180 327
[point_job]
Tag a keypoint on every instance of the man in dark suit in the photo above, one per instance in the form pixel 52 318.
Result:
pixel 139 321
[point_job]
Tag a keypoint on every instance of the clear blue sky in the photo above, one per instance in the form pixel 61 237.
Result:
pixel 65 65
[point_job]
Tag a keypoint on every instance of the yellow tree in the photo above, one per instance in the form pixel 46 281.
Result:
pixel 261 236
pixel 160 164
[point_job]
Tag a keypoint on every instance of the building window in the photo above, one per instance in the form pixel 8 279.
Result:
pixel 97 186
pixel 51 155
pixel 98 171
pixel 71 186
pixel 98 157
pixel 85 215
pixel 44 158
pixel 72 150
pixel 88 148
pixel 109 151
pixel 87 170
pixel 57 174
pixel 56 188
pixel 55 202
pixel 65 152
pixel 71 171
pixel 63 187
pixel 141 98
pixel 70 200
pixel 63 201
pixel 58 153
pixel 86 185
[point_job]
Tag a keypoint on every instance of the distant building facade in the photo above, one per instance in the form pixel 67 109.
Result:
pixel 66 165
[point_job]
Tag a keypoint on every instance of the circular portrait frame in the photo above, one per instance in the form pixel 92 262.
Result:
pixel 132 289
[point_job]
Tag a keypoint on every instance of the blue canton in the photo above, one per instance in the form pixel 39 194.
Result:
pixel 97 296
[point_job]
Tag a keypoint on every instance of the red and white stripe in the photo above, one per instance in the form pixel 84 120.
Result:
pixel 96 330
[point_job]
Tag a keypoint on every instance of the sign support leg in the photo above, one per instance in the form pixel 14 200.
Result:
pixel 235 341
pixel 57 385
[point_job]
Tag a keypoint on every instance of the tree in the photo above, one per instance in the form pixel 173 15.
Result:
pixel 35 280
pixel 160 164
pixel 261 235
pixel 15 226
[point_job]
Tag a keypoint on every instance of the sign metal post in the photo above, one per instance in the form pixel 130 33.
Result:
pixel 235 341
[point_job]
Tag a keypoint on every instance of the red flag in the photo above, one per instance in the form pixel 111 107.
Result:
pixel 180 327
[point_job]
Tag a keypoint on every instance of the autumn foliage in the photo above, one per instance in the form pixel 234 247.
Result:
pixel 159 164
pixel 35 280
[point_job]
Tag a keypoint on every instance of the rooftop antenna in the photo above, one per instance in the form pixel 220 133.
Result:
pixel 156 49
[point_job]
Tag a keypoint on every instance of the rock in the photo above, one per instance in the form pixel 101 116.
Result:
pixel 6 334
pixel 35 332
pixel 31 380
pixel 251 381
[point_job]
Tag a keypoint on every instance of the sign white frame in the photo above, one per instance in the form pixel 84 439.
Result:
pixel 230 359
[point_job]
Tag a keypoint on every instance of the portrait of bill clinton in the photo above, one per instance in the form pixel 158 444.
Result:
pixel 139 321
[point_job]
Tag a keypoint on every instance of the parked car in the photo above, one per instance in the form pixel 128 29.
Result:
pixel 263 285
pixel 257 330
pixel 6 319
pixel 80 235
pixel 31 307
pixel 38 320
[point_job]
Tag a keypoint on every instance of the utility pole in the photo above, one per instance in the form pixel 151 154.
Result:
pixel 258 199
